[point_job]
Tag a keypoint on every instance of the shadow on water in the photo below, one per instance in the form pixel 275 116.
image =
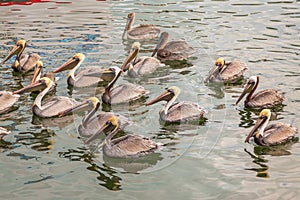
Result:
pixel 260 151
pixel 105 171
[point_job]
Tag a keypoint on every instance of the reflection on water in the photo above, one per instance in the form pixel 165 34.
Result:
pixel 262 170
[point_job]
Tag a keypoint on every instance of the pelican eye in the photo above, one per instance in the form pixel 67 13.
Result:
pixel 108 123
pixel 263 117
pixel 112 69
pixel 171 91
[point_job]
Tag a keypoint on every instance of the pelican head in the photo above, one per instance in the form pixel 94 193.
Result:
pixel 250 86
pixel 37 71
pixel 163 40
pixel 41 84
pixel 16 50
pixel 130 20
pixel 261 123
pixel 72 64
pixel 218 68
pixel 169 95
pixel 112 124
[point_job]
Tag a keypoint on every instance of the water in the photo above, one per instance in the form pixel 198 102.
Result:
pixel 46 159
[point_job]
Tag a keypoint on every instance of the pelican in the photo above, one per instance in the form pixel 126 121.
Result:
pixel 274 134
pixel 50 107
pixel 87 76
pixel 7 100
pixel 127 92
pixel 141 32
pixel 23 62
pixel 174 50
pixel 226 71
pixel 37 75
pixel 177 112
pixel 142 66
pixel 91 123
pixel 263 99
pixel 3 132
pixel 128 146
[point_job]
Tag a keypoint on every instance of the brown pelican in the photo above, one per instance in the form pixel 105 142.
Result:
pixel 273 134
pixel 177 112
pixel 3 132
pixel 7 100
pixel 50 107
pixel 226 71
pixel 23 62
pixel 37 75
pixel 128 146
pixel 87 76
pixel 142 66
pixel 174 50
pixel 91 123
pixel 141 32
pixel 263 99
pixel 127 92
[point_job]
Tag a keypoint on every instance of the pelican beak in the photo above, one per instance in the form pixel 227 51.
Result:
pixel 15 51
pixel 127 26
pixel 259 122
pixel 99 132
pixel 40 85
pixel 70 64
pixel 132 54
pixel 37 72
pixel 81 106
pixel 215 69
pixel 246 90
pixel 166 95
pixel 164 36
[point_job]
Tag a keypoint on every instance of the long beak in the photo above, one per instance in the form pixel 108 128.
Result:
pixel 245 91
pixel 164 36
pixel 128 22
pixel 259 122
pixel 81 106
pixel 32 87
pixel 70 64
pixel 16 50
pixel 37 73
pixel 99 132
pixel 212 72
pixel 166 95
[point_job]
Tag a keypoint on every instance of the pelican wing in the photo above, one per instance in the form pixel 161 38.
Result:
pixel 133 145
pixel 51 107
pixel 7 100
pixel 233 70
pixel 183 111
pixel 278 133
pixel 266 98
pixel 29 63
pixel 175 50
pixel 144 31
pixel 127 92
pixel 146 65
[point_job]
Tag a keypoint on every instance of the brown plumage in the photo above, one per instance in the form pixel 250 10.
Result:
pixel 263 99
pixel 274 134
pixel 141 32
pixel 7 100
pixel 23 62
pixel 128 146
pixel 226 71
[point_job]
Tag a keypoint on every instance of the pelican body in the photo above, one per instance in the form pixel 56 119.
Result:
pixel 174 50
pixel 127 92
pixel 91 123
pixel 23 62
pixel 128 146
pixel 50 107
pixel 141 32
pixel 223 71
pixel 274 134
pixel 88 76
pixel 177 112
pixel 7 100
pixel 263 99
pixel 143 65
